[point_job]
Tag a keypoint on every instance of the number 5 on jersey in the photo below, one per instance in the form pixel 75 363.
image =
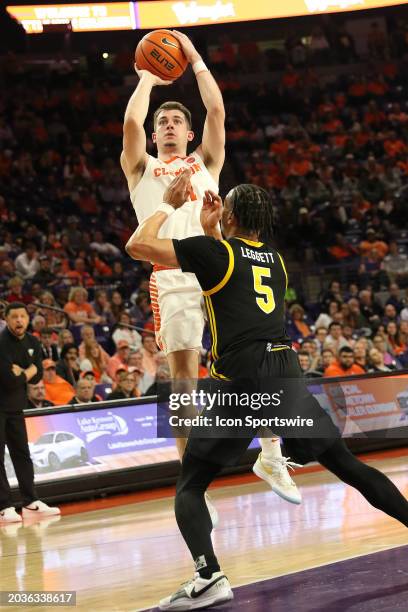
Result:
pixel 267 302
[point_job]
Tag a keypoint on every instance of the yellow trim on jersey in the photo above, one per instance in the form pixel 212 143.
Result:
pixel 251 242
pixel 213 326
pixel 284 269
pixel 228 273
pixel 279 348
pixel 217 375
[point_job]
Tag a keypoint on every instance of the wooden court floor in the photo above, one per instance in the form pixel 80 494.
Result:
pixel 128 557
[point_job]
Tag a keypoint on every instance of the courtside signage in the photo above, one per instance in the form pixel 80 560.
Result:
pixel 175 13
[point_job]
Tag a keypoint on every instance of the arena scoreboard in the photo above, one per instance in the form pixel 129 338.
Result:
pixel 174 13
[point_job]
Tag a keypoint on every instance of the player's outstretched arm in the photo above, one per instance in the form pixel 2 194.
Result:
pixel 212 148
pixel 144 244
pixel 133 157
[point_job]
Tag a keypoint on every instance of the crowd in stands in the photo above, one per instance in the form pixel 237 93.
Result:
pixel 333 154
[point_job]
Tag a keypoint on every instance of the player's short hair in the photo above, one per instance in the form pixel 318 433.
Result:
pixel 172 105
pixel 253 210
pixel 15 306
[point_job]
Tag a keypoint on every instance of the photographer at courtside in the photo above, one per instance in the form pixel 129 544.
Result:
pixel 20 363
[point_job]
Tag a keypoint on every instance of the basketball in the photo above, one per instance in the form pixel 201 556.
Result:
pixel 160 52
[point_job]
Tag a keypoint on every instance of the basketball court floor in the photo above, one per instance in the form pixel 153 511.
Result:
pixel 332 553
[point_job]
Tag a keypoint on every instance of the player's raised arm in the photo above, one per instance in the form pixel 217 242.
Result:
pixel 212 148
pixel 133 157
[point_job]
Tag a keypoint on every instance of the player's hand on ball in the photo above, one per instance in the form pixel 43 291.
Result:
pixel 178 192
pixel 189 49
pixel 155 80
pixel 211 211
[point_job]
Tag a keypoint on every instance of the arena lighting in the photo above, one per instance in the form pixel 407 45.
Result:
pixel 176 13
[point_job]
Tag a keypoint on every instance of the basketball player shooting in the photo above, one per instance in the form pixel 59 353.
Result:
pixel 176 297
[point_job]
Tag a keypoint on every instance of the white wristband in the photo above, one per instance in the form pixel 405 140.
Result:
pixel 199 67
pixel 166 208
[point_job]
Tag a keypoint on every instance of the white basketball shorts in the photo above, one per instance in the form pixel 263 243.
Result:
pixel 176 305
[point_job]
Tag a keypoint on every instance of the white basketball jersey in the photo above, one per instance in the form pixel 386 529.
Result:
pixel 148 194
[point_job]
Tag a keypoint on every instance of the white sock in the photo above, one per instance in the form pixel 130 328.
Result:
pixel 271 448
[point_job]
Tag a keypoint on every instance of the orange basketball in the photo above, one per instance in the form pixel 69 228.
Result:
pixel 160 52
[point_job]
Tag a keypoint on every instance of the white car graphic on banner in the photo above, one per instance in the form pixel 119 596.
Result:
pixel 54 448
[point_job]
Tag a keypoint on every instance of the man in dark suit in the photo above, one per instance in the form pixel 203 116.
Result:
pixel 20 363
pixel 49 348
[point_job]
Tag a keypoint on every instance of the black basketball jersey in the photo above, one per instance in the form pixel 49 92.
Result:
pixel 246 304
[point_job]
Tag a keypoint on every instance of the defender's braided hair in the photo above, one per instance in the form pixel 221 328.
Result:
pixel 252 207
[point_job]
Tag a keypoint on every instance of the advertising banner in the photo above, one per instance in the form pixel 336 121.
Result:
pixel 77 443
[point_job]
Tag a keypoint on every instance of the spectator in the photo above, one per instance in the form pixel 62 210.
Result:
pixel 310 347
pixel 102 307
pixel 97 362
pixel 333 294
pixel 395 264
pixel 117 305
pixel 297 327
pixel 49 348
pixel 355 318
pixel 80 276
pixel 345 365
pixel 68 365
pixel 335 339
pixel 136 361
pixel 395 344
pixel 376 360
pixel 149 352
pixel 103 247
pixel 390 314
pixel 16 294
pixel 372 242
pixel 84 392
pixel 88 340
pixel 128 384
pixel 162 378
pixel 44 275
pixel 360 353
pixel 27 264
pixel 79 309
pixel 321 334
pixel 370 309
pixel 123 333
pixel 120 358
pixel 64 337
pixel 57 389
pixel 394 298
pixel 381 345
pixel 325 318
pixel 36 396
pixel 38 323
pixel 52 317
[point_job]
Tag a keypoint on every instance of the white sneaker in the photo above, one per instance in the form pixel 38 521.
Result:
pixel 212 510
pixel 39 508
pixel 275 473
pixel 9 515
pixel 199 593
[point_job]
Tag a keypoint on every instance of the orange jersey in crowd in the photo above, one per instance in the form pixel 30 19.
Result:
pixel 335 369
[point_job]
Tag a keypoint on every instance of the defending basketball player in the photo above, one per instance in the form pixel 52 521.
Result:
pixel 247 302
pixel 176 297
